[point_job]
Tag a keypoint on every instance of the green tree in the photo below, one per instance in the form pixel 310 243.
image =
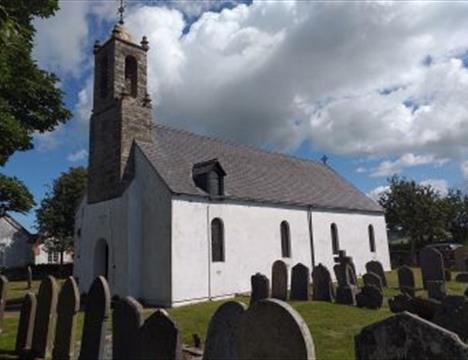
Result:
pixel 30 100
pixel 455 206
pixel 56 214
pixel 14 195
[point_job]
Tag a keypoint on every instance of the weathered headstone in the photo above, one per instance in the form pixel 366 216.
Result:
pixel 343 259
pixel 462 277
pixel 432 265
pixel 279 280
pixel 370 297
pixel 406 280
pixel 97 308
pixel 372 279
pixel 436 290
pixel 453 315
pixel 160 338
pixel 260 287
pixel 322 286
pixel 127 319
pixel 448 275
pixel 29 277
pixel 345 291
pixel 460 255
pixel 425 308
pixel 44 324
pixel 300 282
pixel 272 329
pixel 407 336
pixel 221 336
pixel 377 268
pixel 26 324
pixel 68 306
pixel 3 298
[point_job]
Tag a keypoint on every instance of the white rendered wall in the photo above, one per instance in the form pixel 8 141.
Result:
pixel 17 251
pixel 42 257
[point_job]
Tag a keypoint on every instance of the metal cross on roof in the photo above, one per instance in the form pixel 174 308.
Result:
pixel 123 5
pixel 324 159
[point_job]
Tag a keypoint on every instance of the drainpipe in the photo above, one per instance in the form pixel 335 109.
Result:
pixel 208 247
pixel 311 236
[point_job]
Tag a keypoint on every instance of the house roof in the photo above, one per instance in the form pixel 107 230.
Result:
pixel 14 223
pixel 251 174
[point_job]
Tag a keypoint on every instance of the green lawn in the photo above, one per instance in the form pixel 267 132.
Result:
pixel 332 326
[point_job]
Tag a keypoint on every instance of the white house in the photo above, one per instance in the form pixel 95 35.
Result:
pixel 15 243
pixel 172 217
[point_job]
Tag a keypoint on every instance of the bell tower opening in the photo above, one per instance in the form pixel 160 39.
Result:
pixel 131 76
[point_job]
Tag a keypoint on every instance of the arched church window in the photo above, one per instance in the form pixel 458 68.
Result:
pixel 131 72
pixel 370 230
pixel 334 238
pixel 217 240
pixel 104 74
pixel 285 240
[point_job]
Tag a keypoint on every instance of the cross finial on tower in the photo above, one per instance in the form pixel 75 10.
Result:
pixel 121 11
pixel 324 159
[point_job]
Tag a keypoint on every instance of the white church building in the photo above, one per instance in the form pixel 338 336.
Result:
pixel 171 217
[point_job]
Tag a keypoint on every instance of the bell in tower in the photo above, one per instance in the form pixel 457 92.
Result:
pixel 121 113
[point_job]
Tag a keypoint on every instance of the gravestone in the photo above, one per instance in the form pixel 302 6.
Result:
pixel 460 255
pixel 345 291
pixel 407 336
pixel 372 279
pixel 425 308
pixel 272 329
pixel 279 280
pixel 3 298
pixel 377 268
pixel 432 265
pixel 44 323
pixel 160 338
pixel 436 290
pixel 221 336
pixel 29 276
pixel 26 324
pixel 453 315
pixel 299 282
pixel 68 306
pixel 97 308
pixel 127 320
pixel 448 275
pixel 462 277
pixel 322 286
pixel 370 297
pixel 343 260
pixel 260 287
pixel 406 280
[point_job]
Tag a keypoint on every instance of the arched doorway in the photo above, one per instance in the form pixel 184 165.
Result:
pixel 101 259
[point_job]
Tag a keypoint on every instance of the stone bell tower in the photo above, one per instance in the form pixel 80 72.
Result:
pixel 121 113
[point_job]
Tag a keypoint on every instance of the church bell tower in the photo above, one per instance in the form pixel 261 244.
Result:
pixel 121 113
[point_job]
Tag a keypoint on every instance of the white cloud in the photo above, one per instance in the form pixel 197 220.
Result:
pixel 49 140
pixel 440 185
pixel 361 170
pixel 78 155
pixel 464 169
pixel 376 193
pixel 387 167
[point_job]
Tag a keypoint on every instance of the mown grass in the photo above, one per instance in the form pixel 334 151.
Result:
pixel 332 326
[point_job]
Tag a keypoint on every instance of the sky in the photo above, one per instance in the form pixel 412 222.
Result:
pixel 381 88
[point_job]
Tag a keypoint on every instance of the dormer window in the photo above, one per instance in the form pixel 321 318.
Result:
pixel 209 177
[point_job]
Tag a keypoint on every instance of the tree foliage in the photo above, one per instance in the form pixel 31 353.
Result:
pixel 56 213
pixel 14 195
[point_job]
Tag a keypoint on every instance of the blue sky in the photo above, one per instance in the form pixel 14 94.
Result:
pixel 381 88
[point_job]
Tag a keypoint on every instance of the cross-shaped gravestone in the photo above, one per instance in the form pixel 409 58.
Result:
pixel 344 260
pixel 26 325
pixel 127 319
pixel 346 290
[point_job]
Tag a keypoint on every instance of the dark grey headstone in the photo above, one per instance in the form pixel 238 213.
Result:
pixel 345 291
pixel 370 297
pixel 406 280
pixel 372 279
pixel 436 290
pixel 344 260
pixel 44 324
pixel 97 308
pixel 462 277
pixel 127 320
pixel 322 286
pixel 279 280
pixel 26 324
pixel 67 308
pixel 432 265
pixel 3 298
pixel 406 336
pixel 453 315
pixel 377 268
pixel 260 287
pixel 221 336
pixel 160 338
pixel 272 329
pixel 300 282
pixel 425 308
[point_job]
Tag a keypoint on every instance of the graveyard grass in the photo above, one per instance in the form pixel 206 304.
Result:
pixel 332 326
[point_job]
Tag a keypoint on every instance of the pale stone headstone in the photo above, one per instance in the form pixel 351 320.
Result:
pixel 460 255
pixel 160 338
pixel 97 308
pixel 3 298
pixel 377 268
pixel 68 306
pixel 406 280
pixel 436 290
pixel 127 320
pixel 279 280
pixel 370 297
pixel 272 329
pixel 373 279
pixel 221 336
pixel 453 315
pixel 407 336
pixel 29 277
pixel 300 282
pixel 322 286
pixel 44 324
pixel 26 324
pixel 345 291
pixel 432 265
pixel 260 287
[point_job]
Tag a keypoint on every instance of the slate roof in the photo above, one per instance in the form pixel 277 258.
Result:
pixel 251 174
